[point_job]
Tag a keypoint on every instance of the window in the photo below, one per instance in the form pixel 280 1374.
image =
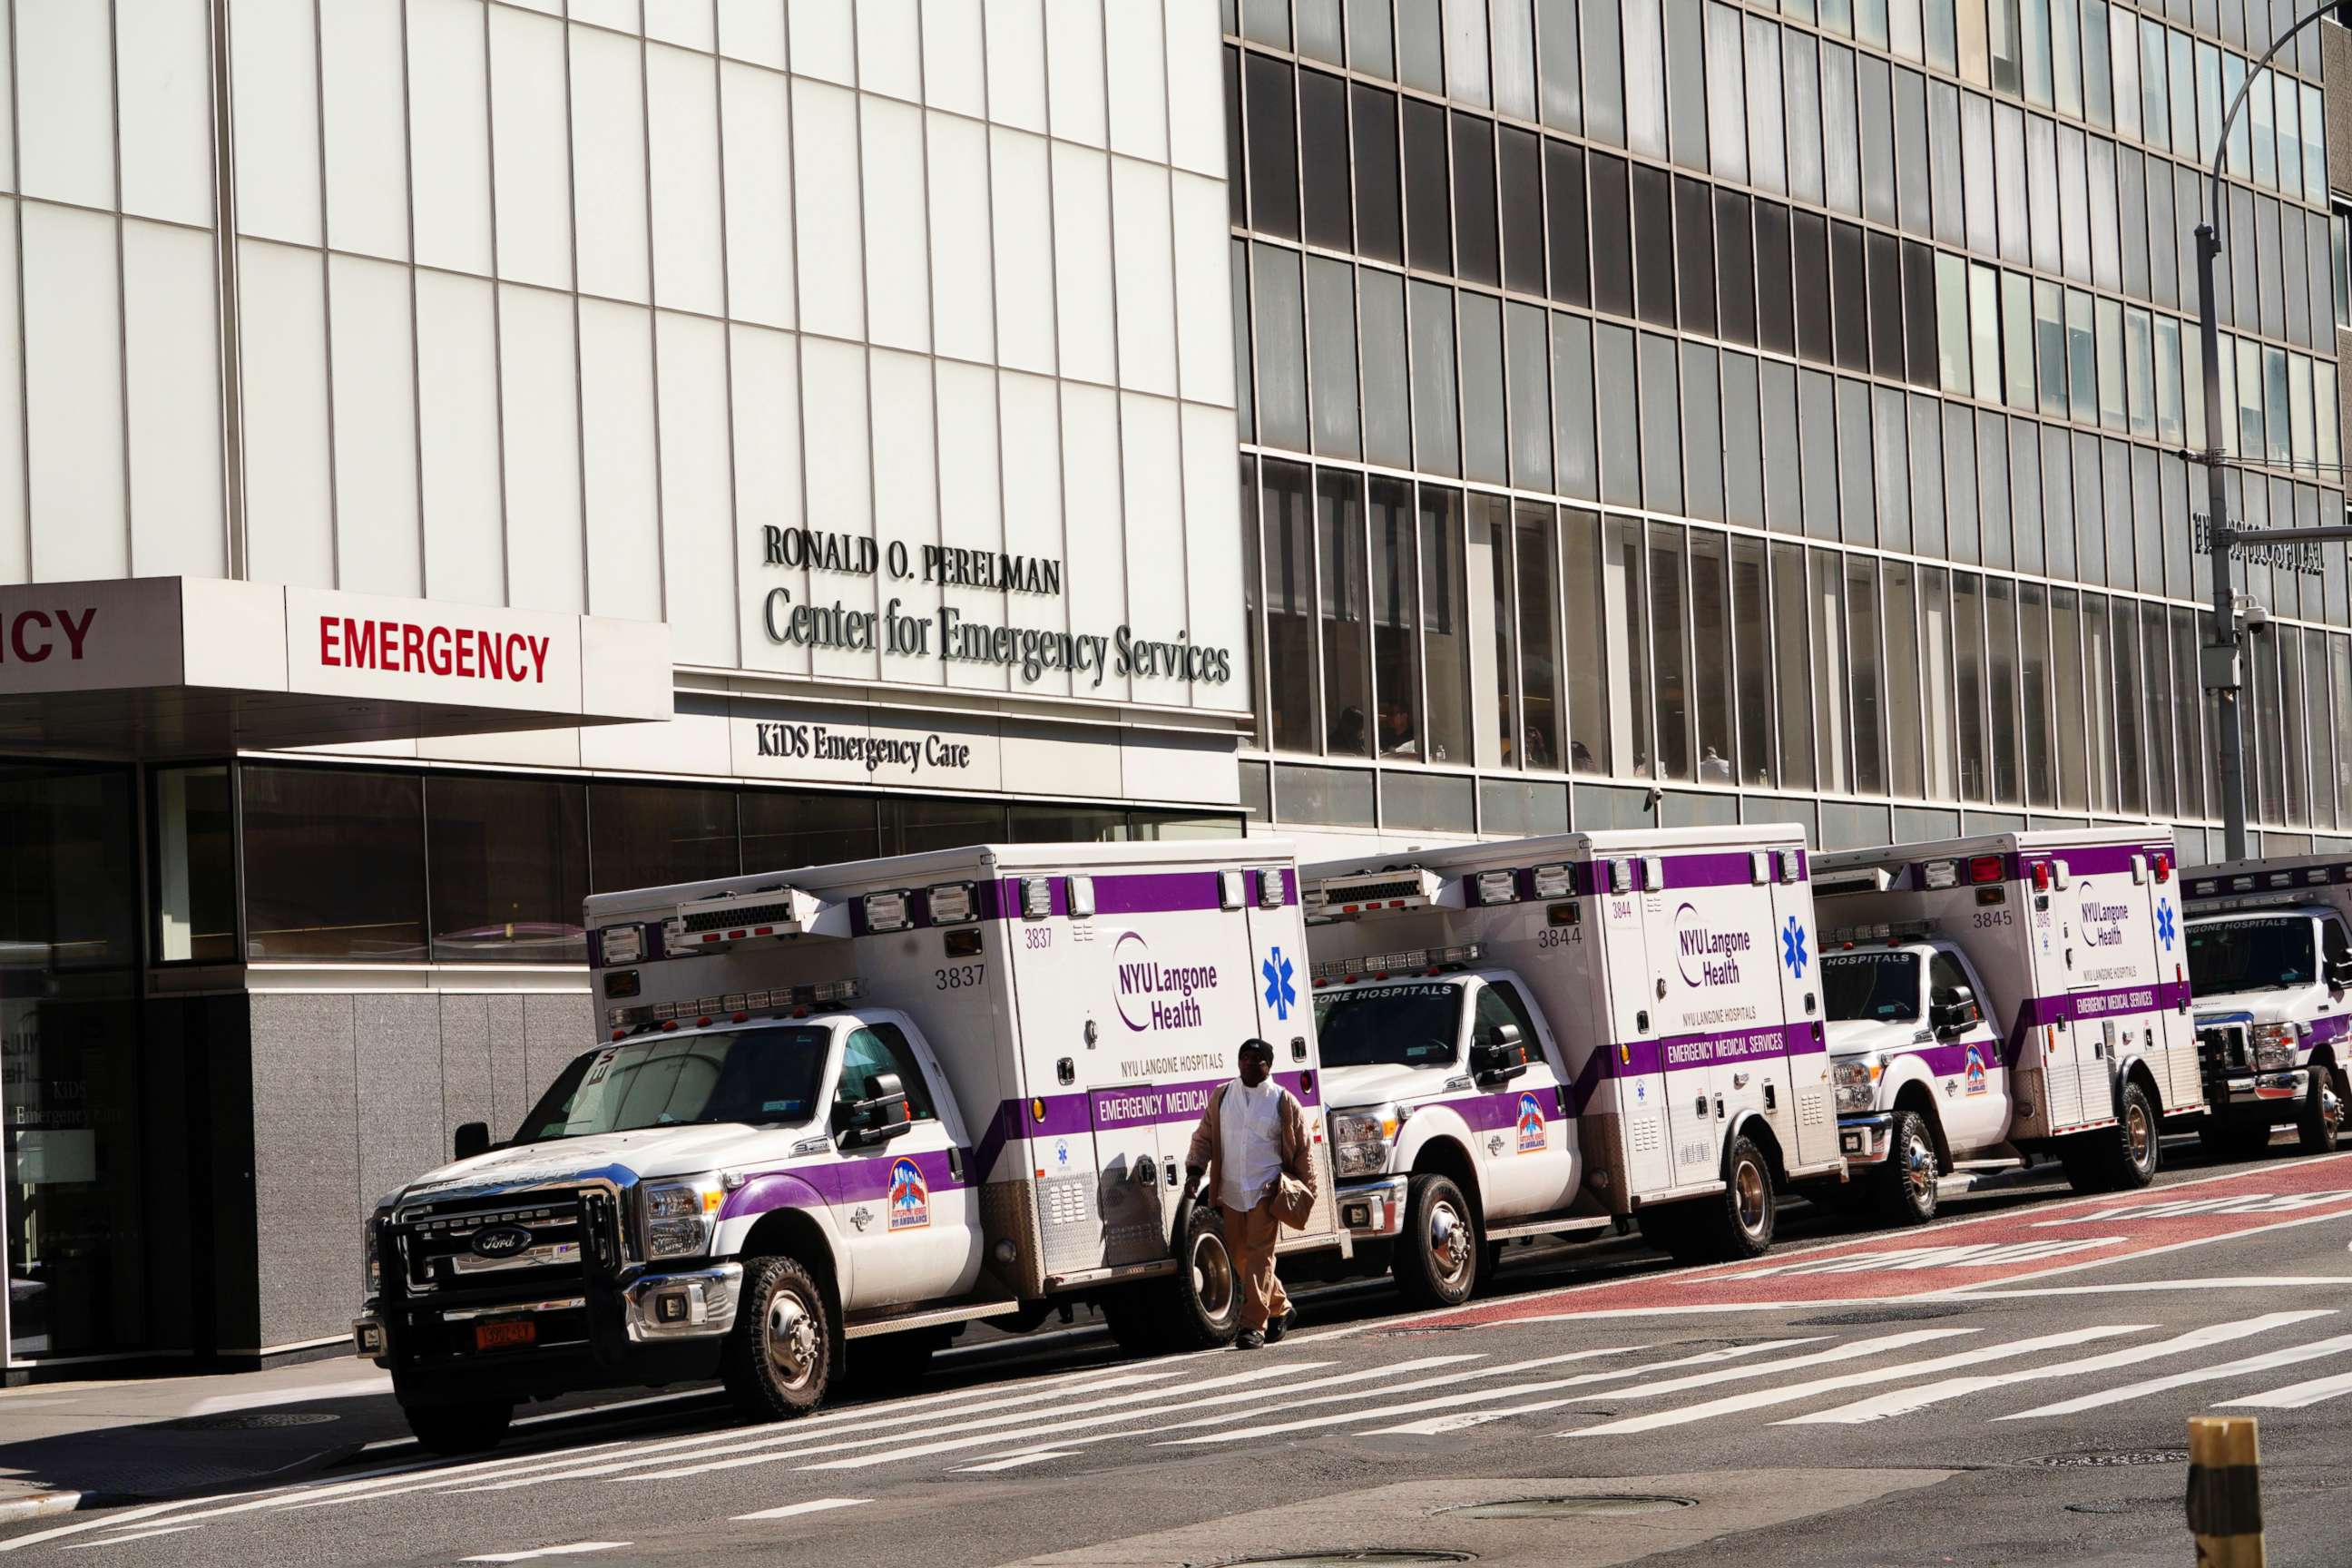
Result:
pixel 642 836
pixel 1388 429
pixel 1848 298
pixel 782 831
pixel 1751 664
pixel 1587 661
pixel 1695 256
pixel 1801 77
pixel 1290 634
pixel 1478 256
pixel 1767 165
pixel 1380 217
pixel 1344 596
pixel 1523 211
pixel 1711 628
pixel 1331 336
pixel 1564 222
pixel 1323 144
pixel 1067 824
pixel 1536 570
pixel 2082 359
pixel 1920 347
pixel 1841 132
pixel 1531 395
pixel 334 863
pixel 1281 348
pixel 1727 83
pixel 2001 641
pixel 1483 428
pixel 1967 669
pixel 1810 233
pixel 1654 246
pixel 1612 230
pixel 1902 675
pixel 1557 67
pixel 2017 339
pixel 1272 146
pixel 1735 266
pixel 1862 661
pixel 1571 376
pixel 196 863
pixel 1434 426
pixel 1876 96
pixel 866 1055
pixel 1421 50
pixel 1775 320
pixel 1885 305
pixel 2050 347
pixel 1619 447
pixel 1670 658
pixel 1628 704
pixel 1789 595
pixel 1952 347
pixel 1833 675
pixel 1604 82
pixel 1936 650
pixel 1661 471
pixel 509 867
pixel 1396 659
pixel 1427 205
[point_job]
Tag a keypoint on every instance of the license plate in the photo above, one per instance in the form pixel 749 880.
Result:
pixel 504 1335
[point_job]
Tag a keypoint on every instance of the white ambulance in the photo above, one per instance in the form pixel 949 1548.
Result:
pixel 2271 958
pixel 1532 1038
pixel 2004 995
pixel 834 1104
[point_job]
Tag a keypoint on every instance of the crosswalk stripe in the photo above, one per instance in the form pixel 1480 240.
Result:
pixel 134 1535
pixel 814 1505
pixel 1461 1420
pixel 1785 1393
pixel 2267 1361
pixel 577 1548
pixel 1280 1397
pixel 1013 1461
pixel 2295 1395
pixel 1250 1384
pixel 787 1434
pixel 1904 1402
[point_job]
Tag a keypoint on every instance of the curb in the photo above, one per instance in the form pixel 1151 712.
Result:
pixel 39 1505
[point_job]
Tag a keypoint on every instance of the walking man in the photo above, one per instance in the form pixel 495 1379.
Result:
pixel 1251 1144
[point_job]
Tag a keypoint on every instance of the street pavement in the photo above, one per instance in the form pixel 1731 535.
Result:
pixel 2010 1383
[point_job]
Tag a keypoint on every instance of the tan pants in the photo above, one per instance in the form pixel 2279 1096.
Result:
pixel 1250 1235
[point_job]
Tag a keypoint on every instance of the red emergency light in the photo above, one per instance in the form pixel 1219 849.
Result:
pixel 1985 868
pixel 2163 864
pixel 2041 876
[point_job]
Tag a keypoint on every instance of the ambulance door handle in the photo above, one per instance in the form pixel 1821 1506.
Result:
pixel 1173 1178
pixel 1739 1080
pixel 1770 1103
pixel 955 1163
pixel 1066 1071
pixel 1718 1107
pixel 1642 1020
pixel 1702 1105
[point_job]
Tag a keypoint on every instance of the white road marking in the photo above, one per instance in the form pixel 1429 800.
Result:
pixel 2156 1287
pixel 1014 1461
pixel 577 1548
pixel 353 1388
pixel 2140 1253
pixel 1436 1425
pixel 136 1535
pixel 2295 1395
pixel 2250 1203
pixel 816 1505
pixel 2266 1361
pixel 1757 1398
pixel 1250 1384
pixel 1916 1259
pixel 1904 1402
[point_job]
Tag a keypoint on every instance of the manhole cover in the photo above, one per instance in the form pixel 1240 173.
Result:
pixel 257 1422
pixel 2114 1458
pixel 1381 1557
pixel 1599 1505
pixel 1878 1315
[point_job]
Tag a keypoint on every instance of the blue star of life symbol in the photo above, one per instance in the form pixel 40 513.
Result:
pixel 1280 995
pixel 2163 924
pixel 1793 947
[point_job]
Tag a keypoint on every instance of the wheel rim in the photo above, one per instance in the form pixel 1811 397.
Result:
pixel 1450 1244
pixel 1212 1277
pixel 1750 1194
pixel 2141 1135
pixel 795 1351
pixel 1919 1168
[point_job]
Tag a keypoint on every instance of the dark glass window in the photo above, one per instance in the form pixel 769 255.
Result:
pixel 1272 146
pixel 1473 199
pixel 1613 234
pixel 334 863
pixel 1288 552
pixel 194 858
pixel 1776 319
pixel 509 866
pixel 1812 276
pixel 1523 211
pixel 1571 281
pixel 1734 265
pixel 1379 219
pixel 782 831
pixel 909 826
pixel 643 836
pixel 1849 297
pixel 1654 246
pixel 1427 206
pixel 1323 150
pixel 1067 824
pixel 1885 305
pixel 1919 312
pixel 1695 254
pixel 1236 186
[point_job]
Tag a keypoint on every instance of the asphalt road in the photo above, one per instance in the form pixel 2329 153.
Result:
pixel 2009 1384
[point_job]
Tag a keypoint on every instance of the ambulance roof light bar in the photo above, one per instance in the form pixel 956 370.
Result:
pixel 1894 933
pixel 1410 961
pixel 1867 880
pixel 706 925
pixel 1379 893
pixel 737 1007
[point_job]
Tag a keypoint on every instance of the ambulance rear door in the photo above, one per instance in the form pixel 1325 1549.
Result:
pixel 1276 978
pixel 1795 944
pixel 2109 973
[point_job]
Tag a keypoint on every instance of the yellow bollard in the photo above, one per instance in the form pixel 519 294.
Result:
pixel 2225 1502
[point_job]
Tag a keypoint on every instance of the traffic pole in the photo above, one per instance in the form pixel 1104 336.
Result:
pixel 2225 1502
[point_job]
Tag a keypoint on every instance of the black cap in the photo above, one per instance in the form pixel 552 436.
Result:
pixel 1263 1047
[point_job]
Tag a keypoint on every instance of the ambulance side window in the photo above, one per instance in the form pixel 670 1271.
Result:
pixel 868 1054
pixel 1499 1004
pixel 1945 976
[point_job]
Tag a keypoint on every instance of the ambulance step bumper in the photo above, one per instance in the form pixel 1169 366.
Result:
pixel 1374 1210
pixel 1863 1140
pixel 954 1312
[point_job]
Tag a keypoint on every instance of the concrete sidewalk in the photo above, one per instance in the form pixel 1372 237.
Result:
pixel 65 1445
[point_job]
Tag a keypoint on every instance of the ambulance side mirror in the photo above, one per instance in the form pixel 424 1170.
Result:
pixel 1500 1059
pixel 1951 1017
pixel 472 1138
pixel 2339 971
pixel 879 1118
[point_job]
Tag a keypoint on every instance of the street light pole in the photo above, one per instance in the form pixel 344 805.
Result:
pixel 2224 673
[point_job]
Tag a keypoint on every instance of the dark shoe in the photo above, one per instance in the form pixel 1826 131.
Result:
pixel 1281 1326
pixel 1249 1340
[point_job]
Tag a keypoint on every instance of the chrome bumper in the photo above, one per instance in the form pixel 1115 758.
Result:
pixel 1373 1210
pixel 2268 1089
pixel 701 1305
pixel 1864 1140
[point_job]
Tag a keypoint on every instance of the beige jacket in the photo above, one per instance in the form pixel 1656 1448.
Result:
pixel 1297 1155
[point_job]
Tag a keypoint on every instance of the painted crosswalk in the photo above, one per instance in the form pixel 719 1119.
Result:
pixel 1649 1379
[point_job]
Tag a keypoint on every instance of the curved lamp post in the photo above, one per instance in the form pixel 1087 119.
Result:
pixel 2223 675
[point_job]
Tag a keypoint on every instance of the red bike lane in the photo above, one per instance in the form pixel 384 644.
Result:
pixel 2028 1241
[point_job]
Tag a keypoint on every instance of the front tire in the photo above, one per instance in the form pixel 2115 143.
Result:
pixel 471 1428
pixel 1906 1185
pixel 1736 1224
pixel 1200 1308
pixel 779 1356
pixel 2226 1137
pixel 2321 1115
pixel 1438 1254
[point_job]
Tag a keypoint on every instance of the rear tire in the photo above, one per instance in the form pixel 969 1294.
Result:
pixel 2320 1117
pixel 1127 1314
pixel 1439 1253
pixel 1736 1224
pixel 2121 1159
pixel 2226 1137
pixel 779 1356
pixel 471 1428
pixel 1200 1308
pixel 1906 1182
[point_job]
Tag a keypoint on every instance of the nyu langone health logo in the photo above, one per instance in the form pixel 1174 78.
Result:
pixel 1793 948
pixel 1153 996
pixel 1280 995
pixel 1707 956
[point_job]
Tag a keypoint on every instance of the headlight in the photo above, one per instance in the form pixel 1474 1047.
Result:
pixel 2275 1046
pixel 1857 1082
pixel 679 1216
pixel 1361 1141
pixel 375 1274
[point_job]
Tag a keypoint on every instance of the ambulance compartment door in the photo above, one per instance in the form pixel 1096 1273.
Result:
pixel 1812 1097
pixel 1527 1160
pixel 1676 1105
pixel 2098 932
pixel 2170 1034
pixel 905 1207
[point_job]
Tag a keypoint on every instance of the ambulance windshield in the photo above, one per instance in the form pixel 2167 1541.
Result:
pixel 2251 954
pixel 1412 1025
pixel 764 1074
pixel 1879 987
